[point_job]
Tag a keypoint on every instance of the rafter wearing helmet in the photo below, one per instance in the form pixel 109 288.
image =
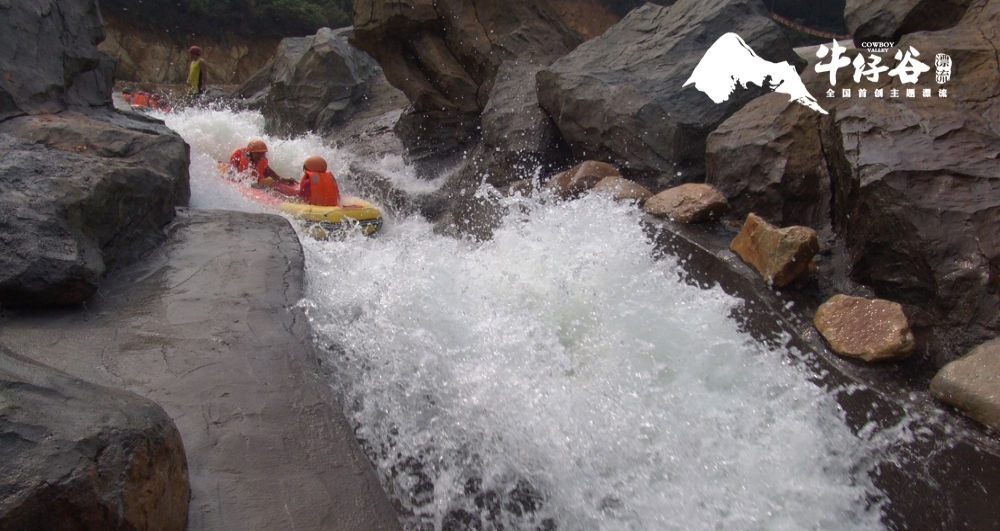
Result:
pixel 253 158
pixel 318 186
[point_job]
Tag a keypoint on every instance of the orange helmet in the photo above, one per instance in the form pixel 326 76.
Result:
pixel 256 146
pixel 315 163
pixel 194 50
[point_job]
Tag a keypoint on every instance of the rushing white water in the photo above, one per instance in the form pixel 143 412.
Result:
pixel 557 376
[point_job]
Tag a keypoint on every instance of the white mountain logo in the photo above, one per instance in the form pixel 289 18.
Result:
pixel 730 62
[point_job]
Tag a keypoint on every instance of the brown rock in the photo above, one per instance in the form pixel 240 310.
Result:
pixel 688 203
pixel 775 168
pixel 781 255
pixel 622 189
pixel 581 178
pixel 972 384
pixel 869 329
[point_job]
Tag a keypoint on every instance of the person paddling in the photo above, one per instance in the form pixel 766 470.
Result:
pixel 253 158
pixel 318 186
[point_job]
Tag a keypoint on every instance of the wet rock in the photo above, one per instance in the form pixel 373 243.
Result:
pixel 688 203
pixel 781 255
pixel 621 97
pixel 82 195
pixel 915 184
pixel 581 178
pixel 775 168
pixel 77 453
pixel 312 84
pixel 868 329
pixel 972 384
pixel 887 21
pixel 622 189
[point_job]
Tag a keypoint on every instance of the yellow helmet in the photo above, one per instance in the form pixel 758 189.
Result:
pixel 315 163
pixel 256 146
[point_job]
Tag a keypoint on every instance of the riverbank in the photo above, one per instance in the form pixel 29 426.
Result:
pixel 206 326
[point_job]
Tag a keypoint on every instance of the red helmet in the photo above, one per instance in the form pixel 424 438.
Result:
pixel 315 163
pixel 194 50
pixel 256 146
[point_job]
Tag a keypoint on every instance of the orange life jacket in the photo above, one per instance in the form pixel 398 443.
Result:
pixel 140 99
pixel 240 161
pixel 319 188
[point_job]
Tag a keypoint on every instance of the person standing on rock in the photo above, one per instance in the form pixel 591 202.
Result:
pixel 196 78
pixel 253 158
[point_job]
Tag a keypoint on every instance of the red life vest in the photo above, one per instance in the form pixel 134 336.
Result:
pixel 319 188
pixel 241 162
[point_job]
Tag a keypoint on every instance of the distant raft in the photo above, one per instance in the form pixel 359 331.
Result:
pixel 329 221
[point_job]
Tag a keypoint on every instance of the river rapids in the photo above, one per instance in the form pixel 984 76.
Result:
pixel 561 375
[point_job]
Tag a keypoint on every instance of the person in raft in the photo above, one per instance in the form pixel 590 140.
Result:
pixel 318 186
pixel 253 157
pixel 195 80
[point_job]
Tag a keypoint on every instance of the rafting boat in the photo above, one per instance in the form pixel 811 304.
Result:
pixel 322 222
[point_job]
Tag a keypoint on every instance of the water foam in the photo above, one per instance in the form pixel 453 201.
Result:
pixel 557 376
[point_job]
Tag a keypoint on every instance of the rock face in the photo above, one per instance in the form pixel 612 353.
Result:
pixel 78 453
pixel 621 97
pixel 915 187
pixel 882 21
pixel 581 178
pixel 149 56
pixel 869 329
pixel 444 55
pixel 688 203
pixel 312 84
pixel 972 384
pixel 50 61
pixel 781 255
pixel 84 188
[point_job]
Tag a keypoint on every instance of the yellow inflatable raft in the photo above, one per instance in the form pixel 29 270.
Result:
pixel 332 220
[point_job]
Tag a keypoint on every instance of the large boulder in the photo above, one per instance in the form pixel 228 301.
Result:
pixel 84 188
pixel 50 60
pixel 79 195
pixel 773 167
pixel 84 457
pixel 915 186
pixel 621 97
pixel 312 84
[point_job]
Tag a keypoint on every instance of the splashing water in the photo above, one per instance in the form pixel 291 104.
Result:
pixel 557 376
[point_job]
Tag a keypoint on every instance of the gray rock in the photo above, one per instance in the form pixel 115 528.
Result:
pixel 81 195
pixel 208 327
pixel 620 96
pixel 80 456
pixel 312 84
pixel 50 60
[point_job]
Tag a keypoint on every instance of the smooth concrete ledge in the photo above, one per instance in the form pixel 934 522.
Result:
pixel 206 326
pixel 929 479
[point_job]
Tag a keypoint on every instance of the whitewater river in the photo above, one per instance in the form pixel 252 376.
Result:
pixel 557 376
